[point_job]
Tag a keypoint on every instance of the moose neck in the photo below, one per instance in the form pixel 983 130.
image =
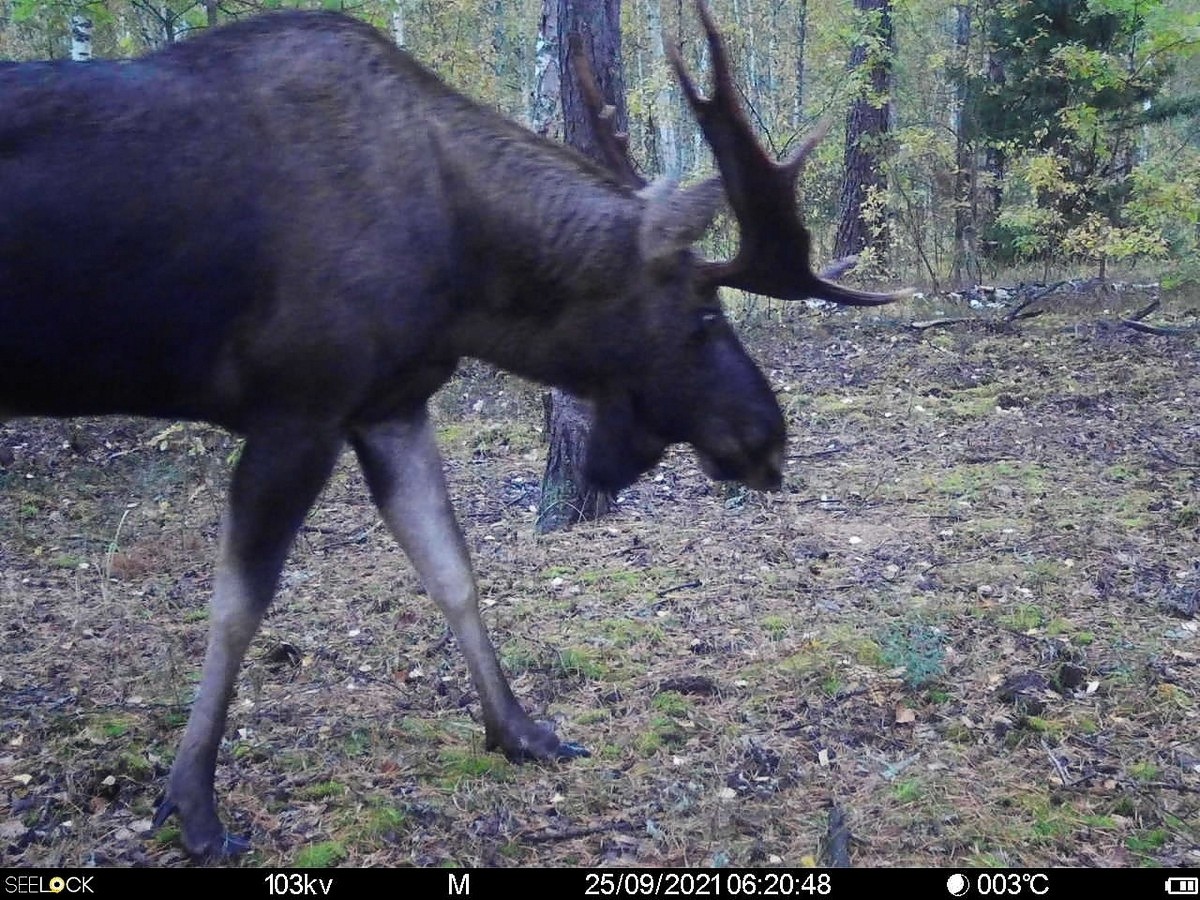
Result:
pixel 550 239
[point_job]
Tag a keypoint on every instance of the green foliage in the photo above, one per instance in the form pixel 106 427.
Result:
pixel 321 790
pixel 1076 76
pixel 1091 173
pixel 1164 200
pixel 321 855
pixel 580 662
pixel 1064 63
pixel 918 649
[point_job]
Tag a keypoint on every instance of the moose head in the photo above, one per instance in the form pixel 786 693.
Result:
pixel 719 408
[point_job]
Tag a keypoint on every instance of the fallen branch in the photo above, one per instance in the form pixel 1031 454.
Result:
pixel 1146 310
pixel 1171 786
pixel 1022 311
pixel 1135 322
pixel 1165 454
pixel 1018 311
pixel 958 320
pixel 1160 330
pixel 818 454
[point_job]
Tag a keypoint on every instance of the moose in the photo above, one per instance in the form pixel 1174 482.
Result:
pixel 289 228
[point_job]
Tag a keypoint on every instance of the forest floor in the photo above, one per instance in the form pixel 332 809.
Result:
pixel 968 627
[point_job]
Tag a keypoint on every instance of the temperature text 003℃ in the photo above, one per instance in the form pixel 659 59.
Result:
pixel 1012 884
pixel 707 884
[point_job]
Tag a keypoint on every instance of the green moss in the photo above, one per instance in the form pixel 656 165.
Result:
pixel 321 790
pixel 672 704
pixel 320 856
pixel 580 662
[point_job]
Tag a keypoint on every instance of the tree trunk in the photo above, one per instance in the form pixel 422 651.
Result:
pixel 170 25
pixel 801 40
pixel 866 128
pixel 546 102
pixel 664 114
pixel 499 38
pixel 749 52
pixel 566 496
pixel 398 22
pixel 966 232
pixel 993 157
pixel 81 38
pixel 598 23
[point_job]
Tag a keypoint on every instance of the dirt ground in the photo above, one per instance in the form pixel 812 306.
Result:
pixel 967 627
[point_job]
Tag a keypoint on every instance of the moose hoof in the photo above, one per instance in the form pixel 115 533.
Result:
pixel 535 741
pixel 219 845
pixel 571 750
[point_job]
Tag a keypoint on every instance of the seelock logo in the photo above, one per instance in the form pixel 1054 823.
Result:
pixel 42 884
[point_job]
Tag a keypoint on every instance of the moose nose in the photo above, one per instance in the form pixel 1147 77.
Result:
pixel 751 452
pixel 760 469
pixel 765 473
pixel 769 476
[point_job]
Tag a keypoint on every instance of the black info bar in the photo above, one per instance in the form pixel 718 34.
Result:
pixel 800 883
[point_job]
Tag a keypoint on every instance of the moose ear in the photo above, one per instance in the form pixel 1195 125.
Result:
pixel 675 218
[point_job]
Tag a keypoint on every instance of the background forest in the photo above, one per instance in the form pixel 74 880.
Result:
pixel 967 630
pixel 995 139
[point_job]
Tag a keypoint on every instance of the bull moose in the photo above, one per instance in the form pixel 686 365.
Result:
pixel 287 227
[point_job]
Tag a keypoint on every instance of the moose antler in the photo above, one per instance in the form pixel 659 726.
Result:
pixel 602 117
pixel 774 255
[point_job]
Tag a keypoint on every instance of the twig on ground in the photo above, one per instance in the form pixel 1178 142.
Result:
pixel 938 323
pixel 683 586
pixel 837 840
pixel 1166 455
pixel 566 834
pixel 1057 763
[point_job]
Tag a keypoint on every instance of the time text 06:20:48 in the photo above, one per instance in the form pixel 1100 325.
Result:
pixel 707 884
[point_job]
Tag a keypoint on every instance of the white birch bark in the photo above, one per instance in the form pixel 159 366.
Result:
pixel 81 37
pixel 398 22
pixel 544 101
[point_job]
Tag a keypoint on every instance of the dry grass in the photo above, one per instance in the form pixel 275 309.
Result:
pixel 969 621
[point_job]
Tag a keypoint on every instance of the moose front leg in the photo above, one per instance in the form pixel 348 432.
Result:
pixel 277 478
pixel 404 472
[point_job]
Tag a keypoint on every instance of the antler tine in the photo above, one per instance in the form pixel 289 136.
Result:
pixel 739 157
pixel 774 254
pixel 796 161
pixel 613 145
